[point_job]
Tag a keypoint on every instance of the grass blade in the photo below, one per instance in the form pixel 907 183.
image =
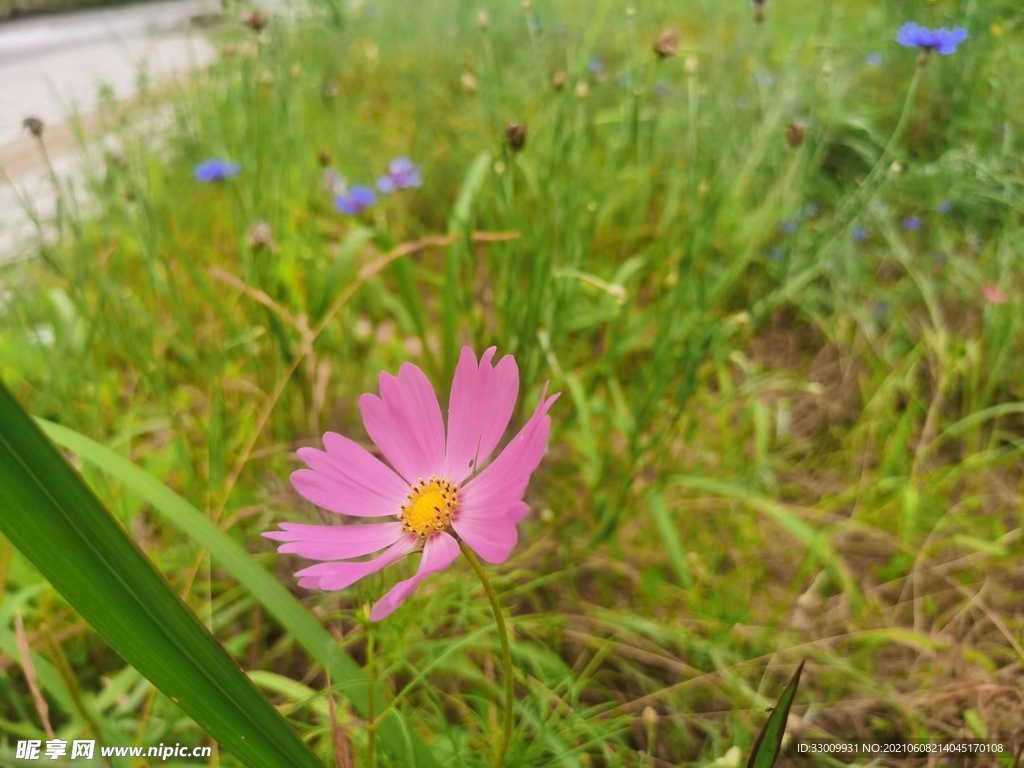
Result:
pixel 670 537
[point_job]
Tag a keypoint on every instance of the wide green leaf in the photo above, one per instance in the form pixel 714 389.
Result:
pixel 53 518
pixel 395 735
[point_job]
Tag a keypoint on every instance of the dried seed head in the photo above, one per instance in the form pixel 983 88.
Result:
pixel 34 126
pixel 516 135
pixel 796 132
pixel 559 79
pixel 323 157
pixel 758 6
pixel 261 237
pixel 229 49
pixel 483 20
pixel 255 21
pixel 667 43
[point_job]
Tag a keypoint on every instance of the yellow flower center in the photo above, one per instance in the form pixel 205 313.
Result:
pixel 429 507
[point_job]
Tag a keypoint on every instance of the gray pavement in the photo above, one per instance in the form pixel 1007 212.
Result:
pixel 54 67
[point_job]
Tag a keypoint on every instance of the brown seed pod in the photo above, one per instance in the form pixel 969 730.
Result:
pixel 796 132
pixel 516 135
pixel 261 237
pixel 34 125
pixel 667 43
pixel 255 21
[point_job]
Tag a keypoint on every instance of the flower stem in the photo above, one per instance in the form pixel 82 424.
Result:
pixel 506 655
pixel 371 728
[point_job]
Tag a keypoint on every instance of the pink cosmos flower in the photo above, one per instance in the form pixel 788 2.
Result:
pixel 994 295
pixel 436 484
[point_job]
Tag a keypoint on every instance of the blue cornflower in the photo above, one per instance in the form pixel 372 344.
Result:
pixel 859 234
pixel 943 41
pixel 874 59
pixel 775 254
pixel 402 174
pixel 787 227
pixel 661 88
pixel 356 200
pixel 216 170
pixel 911 223
pixel 595 65
pixel 810 210
pixel 944 206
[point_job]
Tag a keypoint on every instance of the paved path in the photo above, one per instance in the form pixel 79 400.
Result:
pixel 52 67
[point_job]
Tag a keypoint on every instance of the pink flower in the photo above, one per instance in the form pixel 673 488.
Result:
pixel 436 485
pixel 994 295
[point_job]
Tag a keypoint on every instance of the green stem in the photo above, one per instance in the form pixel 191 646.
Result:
pixel 506 655
pixel 371 728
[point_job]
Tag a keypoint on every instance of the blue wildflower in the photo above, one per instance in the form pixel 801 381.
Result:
pixel 880 308
pixel 357 199
pixel 943 41
pixel 810 210
pixel 859 234
pixel 911 223
pixel 661 88
pixel 775 254
pixel 787 227
pixel 216 170
pixel 595 65
pixel 402 174
pixel 875 60
pixel 944 206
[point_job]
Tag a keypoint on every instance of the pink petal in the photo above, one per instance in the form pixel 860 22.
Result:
pixel 335 542
pixel 349 479
pixel 439 551
pixel 405 423
pixel 480 406
pixel 491 533
pixel 504 481
pixel 332 576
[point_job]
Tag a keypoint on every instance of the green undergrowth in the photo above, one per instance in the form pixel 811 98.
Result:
pixel 786 325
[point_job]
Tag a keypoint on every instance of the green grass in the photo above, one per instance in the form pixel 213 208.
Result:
pixel 774 442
